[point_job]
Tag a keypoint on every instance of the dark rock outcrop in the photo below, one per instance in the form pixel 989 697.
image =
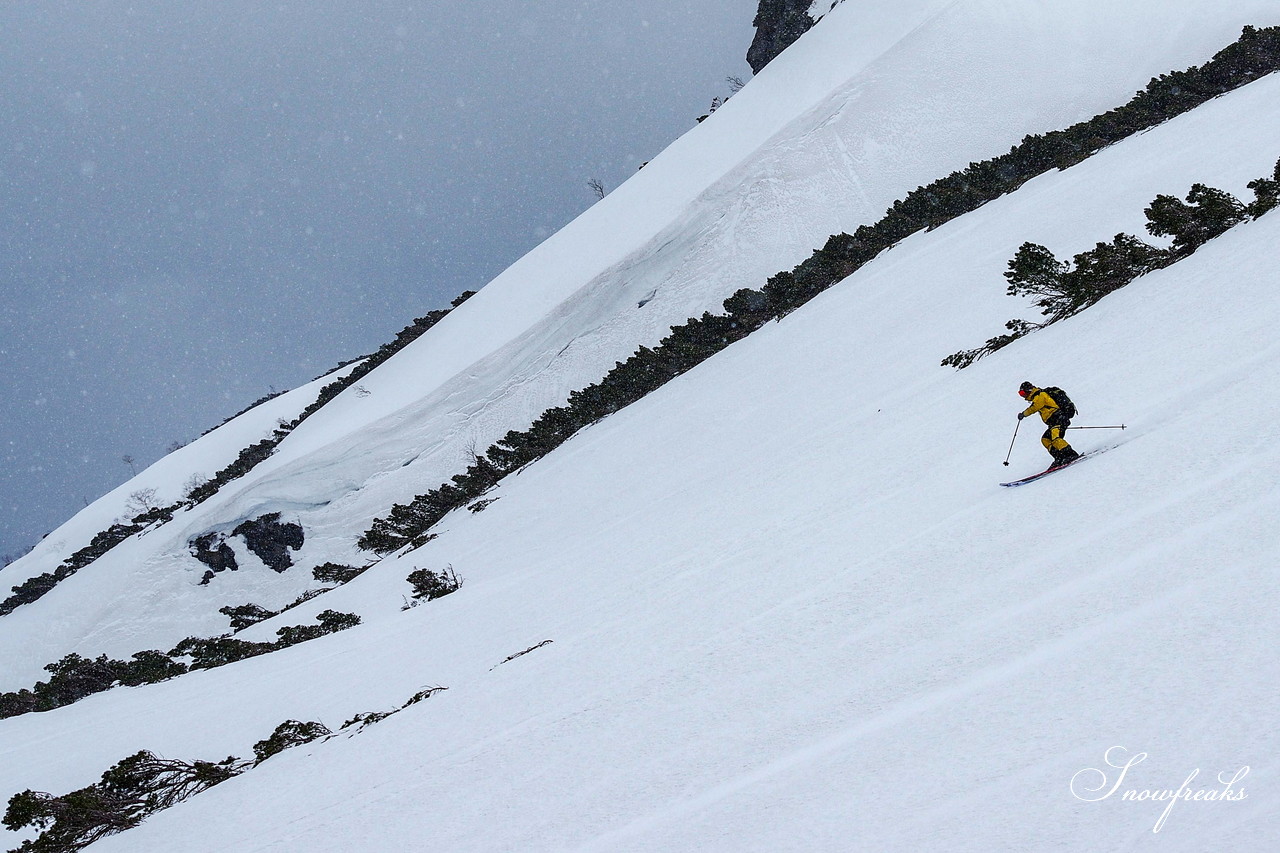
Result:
pixel 214 553
pixel 265 536
pixel 778 23
pixel 271 540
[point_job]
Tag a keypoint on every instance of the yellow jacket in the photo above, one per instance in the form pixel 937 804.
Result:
pixel 1041 403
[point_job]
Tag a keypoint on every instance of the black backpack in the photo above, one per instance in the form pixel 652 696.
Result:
pixel 1060 397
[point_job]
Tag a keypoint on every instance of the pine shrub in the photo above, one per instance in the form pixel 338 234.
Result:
pixel 288 734
pixel 428 585
pixel 336 573
pixel 1266 193
pixel 244 615
pixel 1207 213
pixel 127 794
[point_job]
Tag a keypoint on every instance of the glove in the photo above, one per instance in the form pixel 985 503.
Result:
pixel 1021 415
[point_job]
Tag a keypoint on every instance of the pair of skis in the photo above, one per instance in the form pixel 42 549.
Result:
pixel 1051 469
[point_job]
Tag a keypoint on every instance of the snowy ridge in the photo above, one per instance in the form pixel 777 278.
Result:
pixel 169 475
pixel 791 609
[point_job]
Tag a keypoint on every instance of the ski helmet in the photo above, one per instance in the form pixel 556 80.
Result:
pixel 1025 388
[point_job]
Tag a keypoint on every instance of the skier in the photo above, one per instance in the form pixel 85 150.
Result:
pixel 1055 418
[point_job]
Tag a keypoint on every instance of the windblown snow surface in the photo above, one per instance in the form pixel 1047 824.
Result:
pixel 790 608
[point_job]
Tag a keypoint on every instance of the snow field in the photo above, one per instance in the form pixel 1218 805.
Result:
pixel 790 607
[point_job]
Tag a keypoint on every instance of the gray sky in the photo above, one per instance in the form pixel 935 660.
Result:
pixel 201 202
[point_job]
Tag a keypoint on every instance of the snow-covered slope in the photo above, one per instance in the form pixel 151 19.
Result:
pixel 882 97
pixel 790 608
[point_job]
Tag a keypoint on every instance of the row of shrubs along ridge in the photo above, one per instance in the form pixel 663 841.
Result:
pixel 1062 289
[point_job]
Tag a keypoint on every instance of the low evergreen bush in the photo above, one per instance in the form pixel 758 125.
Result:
pixel 288 734
pixel 428 585
pixel 329 622
pixel 1207 213
pixel 1266 192
pixel 244 615
pixel 127 794
pixel 337 573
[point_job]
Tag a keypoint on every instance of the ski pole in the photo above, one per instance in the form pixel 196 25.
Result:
pixel 1015 438
pixel 1117 426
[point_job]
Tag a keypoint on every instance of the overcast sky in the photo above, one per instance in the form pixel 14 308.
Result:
pixel 202 202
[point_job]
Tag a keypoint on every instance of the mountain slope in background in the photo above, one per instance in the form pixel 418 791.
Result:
pixel 790 608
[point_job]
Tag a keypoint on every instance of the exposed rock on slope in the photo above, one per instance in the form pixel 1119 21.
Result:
pixel 778 23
